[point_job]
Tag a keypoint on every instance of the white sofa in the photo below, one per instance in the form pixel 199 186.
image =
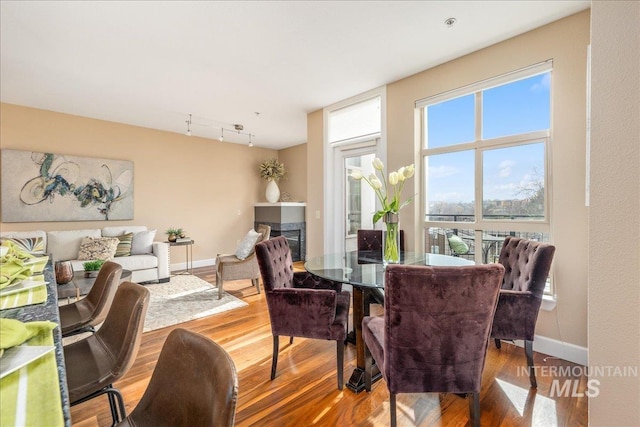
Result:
pixel 65 245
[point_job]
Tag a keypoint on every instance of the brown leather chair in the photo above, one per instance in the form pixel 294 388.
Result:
pixel 230 267
pixel 94 363
pixel 527 264
pixel 301 305
pixel 194 384
pixel 434 333
pixel 85 314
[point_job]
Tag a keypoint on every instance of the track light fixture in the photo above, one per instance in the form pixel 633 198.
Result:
pixel 188 122
pixel 230 127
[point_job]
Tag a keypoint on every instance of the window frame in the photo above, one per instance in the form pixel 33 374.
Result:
pixel 479 146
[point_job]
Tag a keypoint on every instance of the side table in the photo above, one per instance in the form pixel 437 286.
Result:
pixel 188 245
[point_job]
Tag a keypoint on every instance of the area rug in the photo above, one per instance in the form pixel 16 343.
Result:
pixel 185 298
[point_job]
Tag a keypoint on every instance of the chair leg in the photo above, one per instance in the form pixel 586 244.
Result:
pixel 498 343
pixel 474 409
pixel 219 283
pixel 340 354
pixel 113 408
pixel 256 283
pixel 392 408
pixel 116 402
pixel 528 351
pixel 274 358
pixel 116 397
pixel 290 340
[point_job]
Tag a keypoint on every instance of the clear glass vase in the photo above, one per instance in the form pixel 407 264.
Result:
pixel 391 239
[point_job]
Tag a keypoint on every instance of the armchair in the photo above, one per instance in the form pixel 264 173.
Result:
pixel 301 305
pixel 434 333
pixel 527 264
pixel 230 267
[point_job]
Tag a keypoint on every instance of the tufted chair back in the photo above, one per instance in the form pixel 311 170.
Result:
pixel 527 264
pixel 371 240
pixel 275 262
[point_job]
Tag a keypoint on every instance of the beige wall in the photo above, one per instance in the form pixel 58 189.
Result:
pixel 295 164
pixel 204 186
pixel 614 213
pixel 315 190
pixel 565 42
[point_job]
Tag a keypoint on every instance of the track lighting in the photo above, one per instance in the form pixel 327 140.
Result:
pixel 229 127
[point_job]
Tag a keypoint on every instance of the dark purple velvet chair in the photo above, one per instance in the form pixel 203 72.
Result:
pixel 434 333
pixel 527 265
pixel 301 305
pixel 371 240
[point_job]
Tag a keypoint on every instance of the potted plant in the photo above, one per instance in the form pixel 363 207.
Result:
pixel 272 171
pixel 174 233
pixel 91 268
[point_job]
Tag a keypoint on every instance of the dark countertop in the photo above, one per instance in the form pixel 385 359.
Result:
pixel 48 311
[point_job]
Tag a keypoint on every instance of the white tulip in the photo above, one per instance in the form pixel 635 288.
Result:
pixel 375 182
pixel 409 171
pixel 401 174
pixel 356 174
pixel 377 164
pixel 393 178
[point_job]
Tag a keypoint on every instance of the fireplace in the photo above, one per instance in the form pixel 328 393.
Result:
pixel 286 219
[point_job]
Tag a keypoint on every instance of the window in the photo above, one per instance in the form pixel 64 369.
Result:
pixel 485 155
pixel 355 120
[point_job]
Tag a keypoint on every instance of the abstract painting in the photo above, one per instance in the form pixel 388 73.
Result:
pixel 57 187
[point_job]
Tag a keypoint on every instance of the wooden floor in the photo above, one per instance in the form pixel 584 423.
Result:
pixel 304 392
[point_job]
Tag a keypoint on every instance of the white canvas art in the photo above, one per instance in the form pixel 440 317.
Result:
pixel 57 187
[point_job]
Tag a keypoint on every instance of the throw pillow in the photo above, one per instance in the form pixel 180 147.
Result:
pixel 94 248
pixel 33 245
pixel 124 245
pixel 458 246
pixel 142 242
pixel 246 245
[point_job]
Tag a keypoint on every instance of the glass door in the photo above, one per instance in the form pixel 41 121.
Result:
pixel 355 203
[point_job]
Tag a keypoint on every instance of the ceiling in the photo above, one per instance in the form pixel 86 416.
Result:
pixel 264 65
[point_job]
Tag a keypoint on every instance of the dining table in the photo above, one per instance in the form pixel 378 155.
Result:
pixel 365 272
pixel 37 393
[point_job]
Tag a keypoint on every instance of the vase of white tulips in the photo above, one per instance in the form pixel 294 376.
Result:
pixel 388 191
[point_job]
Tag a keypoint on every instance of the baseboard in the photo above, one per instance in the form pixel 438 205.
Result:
pixel 196 263
pixel 561 350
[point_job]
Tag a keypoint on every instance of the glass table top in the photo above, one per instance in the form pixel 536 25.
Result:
pixel 365 268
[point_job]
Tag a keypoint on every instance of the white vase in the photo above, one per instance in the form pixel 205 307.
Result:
pixel 273 192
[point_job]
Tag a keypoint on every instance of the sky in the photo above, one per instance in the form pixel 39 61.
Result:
pixel 513 108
